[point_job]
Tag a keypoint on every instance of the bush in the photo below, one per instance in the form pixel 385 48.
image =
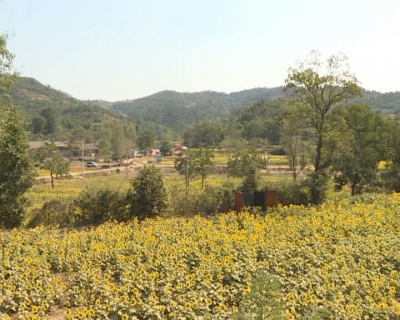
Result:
pixel 293 192
pixel 148 196
pixel 98 206
pixel 53 213
pixel 278 151
pixel 203 202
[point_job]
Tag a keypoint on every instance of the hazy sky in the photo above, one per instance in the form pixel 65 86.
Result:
pixel 126 49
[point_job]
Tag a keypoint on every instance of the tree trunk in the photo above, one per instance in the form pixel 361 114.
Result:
pixel 353 188
pixel 52 179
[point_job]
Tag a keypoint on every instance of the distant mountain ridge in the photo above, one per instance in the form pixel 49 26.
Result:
pixel 170 108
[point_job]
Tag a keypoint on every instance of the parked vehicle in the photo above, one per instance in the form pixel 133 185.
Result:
pixel 91 164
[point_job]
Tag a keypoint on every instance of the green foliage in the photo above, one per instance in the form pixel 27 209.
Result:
pixel 291 192
pixel 278 151
pixel 205 134
pixel 17 171
pixel 261 120
pixel 166 148
pixel 357 164
pixel 50 124
pixel 181 110
pixel 203 163
pixel 184 164
pixel 315 89
pixel 145 140
pixel 260 303
pixel 202 201
pixel 50 160
pixel 105 150
pixel 54 212
pixel 148 196
pixel 246 164
pixel 98 206
pixel 391 174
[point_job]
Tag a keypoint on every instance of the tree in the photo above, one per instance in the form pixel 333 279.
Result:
pixel 17 171
pixel 148 196
pixel 50 126
pixel 118 142
pixel 391 174
pixel 105 150
pixel 166 148
pixel 185 165
pixel 246 164
pixel 314 89
pixel 145 140
pixel 365 132
pixel 38 125
pixel 52 161
pixel 292 141
pixel 203 163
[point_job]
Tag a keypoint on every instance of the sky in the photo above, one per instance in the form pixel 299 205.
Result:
pixel 126 49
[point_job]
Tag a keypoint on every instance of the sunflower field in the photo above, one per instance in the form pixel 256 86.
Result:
pixel 337 261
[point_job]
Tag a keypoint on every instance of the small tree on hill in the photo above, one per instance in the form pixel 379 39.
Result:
pixel 148 196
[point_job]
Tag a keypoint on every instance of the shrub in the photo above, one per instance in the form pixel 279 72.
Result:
pixel 97 206
pixel 53 213
pixel 278 151
pixel 203 202
pixel 148 196
pixel 293 192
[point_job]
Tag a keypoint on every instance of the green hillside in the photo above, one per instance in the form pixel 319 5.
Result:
pixel 166 110
pixel 72 118
pixel 175 109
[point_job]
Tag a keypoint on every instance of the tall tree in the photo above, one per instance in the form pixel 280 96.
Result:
pixel 17 171
pixel 118 143
pixel 315 88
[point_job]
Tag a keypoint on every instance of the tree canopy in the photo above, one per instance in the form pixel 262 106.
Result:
pixel 17 171
pixel 315 87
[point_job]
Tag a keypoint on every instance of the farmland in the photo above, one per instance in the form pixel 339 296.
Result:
pixel 337 261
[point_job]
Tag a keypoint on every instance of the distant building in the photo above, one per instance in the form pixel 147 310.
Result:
pixel 90 150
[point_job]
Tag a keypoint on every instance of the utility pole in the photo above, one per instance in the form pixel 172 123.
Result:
pixel 83 159
pixel 187 177
pixel 186 150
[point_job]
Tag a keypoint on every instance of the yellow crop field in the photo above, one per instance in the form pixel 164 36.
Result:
pixel 338 261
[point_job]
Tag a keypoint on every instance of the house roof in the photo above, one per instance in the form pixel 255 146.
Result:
pixel 90 146
pixel 61 144
pixel 38 144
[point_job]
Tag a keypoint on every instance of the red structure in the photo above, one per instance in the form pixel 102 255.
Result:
pixel 261 199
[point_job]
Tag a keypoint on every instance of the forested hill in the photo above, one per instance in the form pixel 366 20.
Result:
pixel 29 95
pixel 69 117
pixel 174 108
